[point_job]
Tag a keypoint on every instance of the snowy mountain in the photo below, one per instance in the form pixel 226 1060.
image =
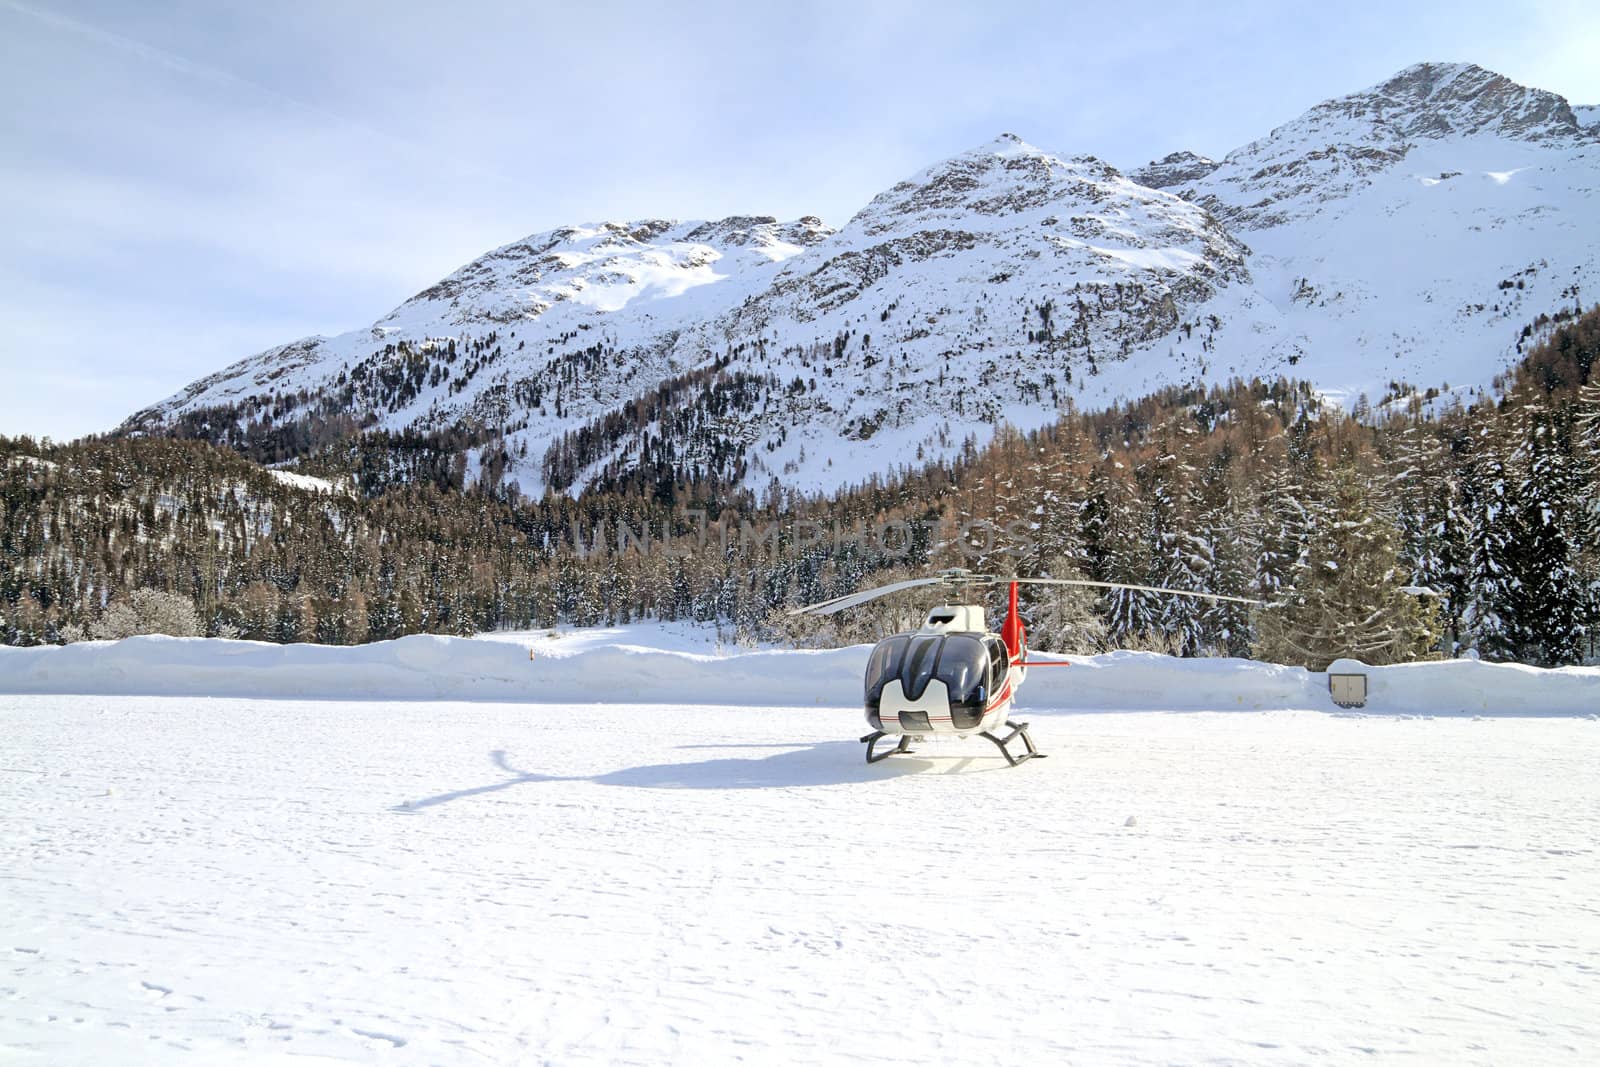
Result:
pixel 563 290
pixel 1341 147
pixel 1411 230
pixel 1403 233
pixel 990 286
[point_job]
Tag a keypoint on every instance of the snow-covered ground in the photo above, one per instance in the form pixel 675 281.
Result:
pixel 306 481
pixel 235 880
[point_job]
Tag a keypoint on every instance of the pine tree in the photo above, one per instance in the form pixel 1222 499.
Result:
pixel 1063 618
pixel 1489 616
pixel 1547 593
pixel 1233 537
pixel 1117 550
pixel 1181 556
pixel 1285 506
pixel 1349 595
pixel 1586 512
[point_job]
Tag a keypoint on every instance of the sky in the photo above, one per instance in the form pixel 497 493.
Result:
pixel 183 184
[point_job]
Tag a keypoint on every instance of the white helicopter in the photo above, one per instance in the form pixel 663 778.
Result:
pixel 953 677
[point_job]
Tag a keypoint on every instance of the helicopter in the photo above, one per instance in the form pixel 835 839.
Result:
pixel 954 677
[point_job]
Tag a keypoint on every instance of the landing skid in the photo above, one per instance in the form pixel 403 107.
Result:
pixel 872 739
pixel 1018 729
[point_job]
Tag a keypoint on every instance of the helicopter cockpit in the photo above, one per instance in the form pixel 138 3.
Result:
pixel 971 667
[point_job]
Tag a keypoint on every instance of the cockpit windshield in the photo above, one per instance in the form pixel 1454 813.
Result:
pixel 960 661
pixel 918 667
pixel 885 664
pixel 963 667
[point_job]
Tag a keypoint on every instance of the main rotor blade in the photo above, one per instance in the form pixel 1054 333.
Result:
pixel 1140 588
pixel 850 600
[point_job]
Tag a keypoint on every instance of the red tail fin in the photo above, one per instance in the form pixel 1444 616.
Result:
pixel 1012 633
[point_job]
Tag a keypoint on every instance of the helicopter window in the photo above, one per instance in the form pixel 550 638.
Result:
pixel 918 668
pixel 962 667
pixel 885 663
pixel 999 659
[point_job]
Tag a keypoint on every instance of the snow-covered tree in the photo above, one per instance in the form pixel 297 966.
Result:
pixel 1180 553
pixel 1233 536
pixel 1117 549
pixel 1487 500
pixel 1063 618
pixel 1547 594
pixel 147 611
pixel 1349 596
pixel 1285 508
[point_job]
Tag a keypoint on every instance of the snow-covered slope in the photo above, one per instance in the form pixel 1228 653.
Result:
pixel 1341 146
pixel 992 286
pixel 496 334
pixel 1405 232
pixel 996 284
pixel 663 272
pixel 1409 231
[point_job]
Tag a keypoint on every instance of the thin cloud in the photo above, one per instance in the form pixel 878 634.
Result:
pixel 179 64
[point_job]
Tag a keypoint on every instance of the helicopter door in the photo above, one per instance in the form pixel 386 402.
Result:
pixel 999 665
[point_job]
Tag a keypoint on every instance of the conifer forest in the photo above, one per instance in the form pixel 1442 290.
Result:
pixel 1424 523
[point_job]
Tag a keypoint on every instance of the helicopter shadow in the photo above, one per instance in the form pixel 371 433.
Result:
pixel 824 763
pixel 799 766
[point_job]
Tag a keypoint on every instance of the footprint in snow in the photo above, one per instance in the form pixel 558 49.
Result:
pixel 377 1035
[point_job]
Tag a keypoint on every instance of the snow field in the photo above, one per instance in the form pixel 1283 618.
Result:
pixel 242 881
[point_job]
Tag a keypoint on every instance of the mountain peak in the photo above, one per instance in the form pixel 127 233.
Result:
pixel 1431 76
pixel 1007 144
pixel 1432 115
pixel 997 178
pixel 1430 100
pixel 604 266
pixel 1174 169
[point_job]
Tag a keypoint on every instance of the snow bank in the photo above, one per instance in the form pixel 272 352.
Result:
pixel 428 667
pixel 1127 681
pixel 610 668
pixel 1469 686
